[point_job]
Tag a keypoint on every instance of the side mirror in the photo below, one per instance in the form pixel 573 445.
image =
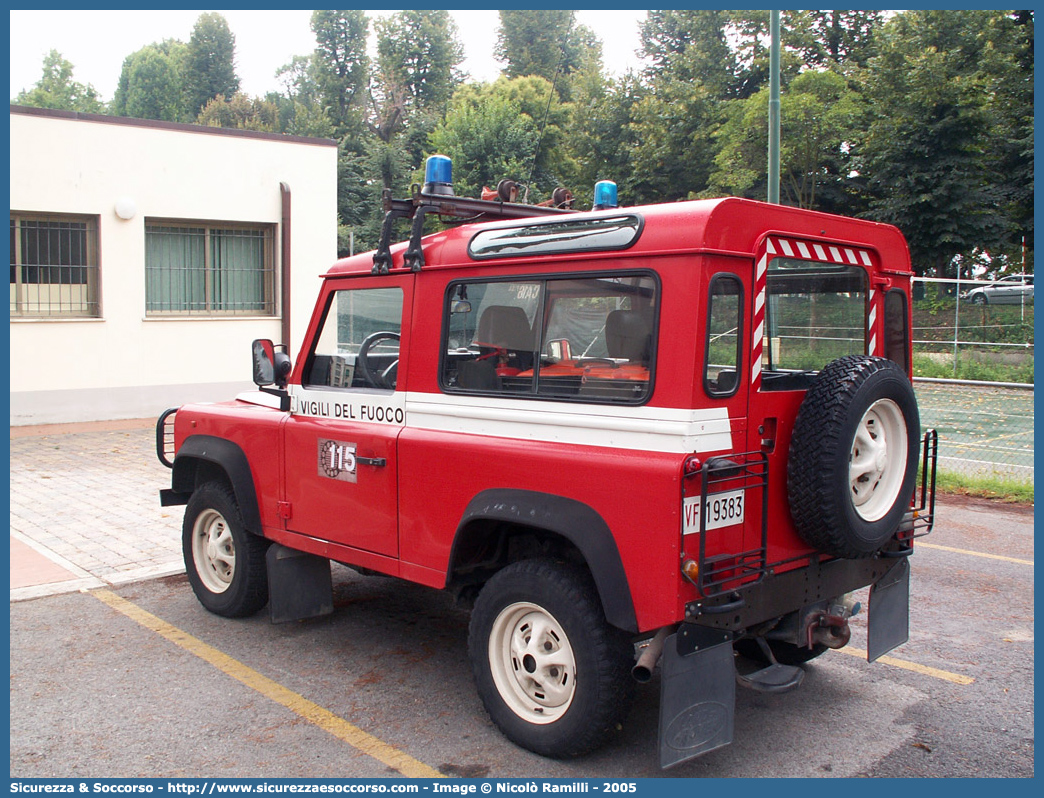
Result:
pixel 270 366
pixel 460 306
pixel 263 355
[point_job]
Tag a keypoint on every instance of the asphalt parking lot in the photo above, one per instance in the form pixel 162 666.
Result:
pixel 116 671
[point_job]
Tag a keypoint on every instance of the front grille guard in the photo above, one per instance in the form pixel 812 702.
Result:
pixel 165 437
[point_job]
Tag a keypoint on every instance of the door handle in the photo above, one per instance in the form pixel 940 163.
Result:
pixel 371 461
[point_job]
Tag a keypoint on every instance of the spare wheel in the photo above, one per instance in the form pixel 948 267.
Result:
pixel 852 463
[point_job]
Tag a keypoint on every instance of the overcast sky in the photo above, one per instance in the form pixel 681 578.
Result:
pixel 96 42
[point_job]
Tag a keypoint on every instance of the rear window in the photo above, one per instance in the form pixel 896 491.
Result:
pixel 815 312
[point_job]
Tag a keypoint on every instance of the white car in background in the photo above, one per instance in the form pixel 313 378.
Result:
pixel 1011 290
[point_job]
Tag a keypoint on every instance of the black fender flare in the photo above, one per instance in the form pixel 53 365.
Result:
pixel 227 456
pixel 573 520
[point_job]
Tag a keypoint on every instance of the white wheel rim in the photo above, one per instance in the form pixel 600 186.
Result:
pixel 877 463
pixel 532 663
pixel 213 551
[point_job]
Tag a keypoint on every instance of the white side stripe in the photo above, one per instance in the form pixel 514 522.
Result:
pixel 654 429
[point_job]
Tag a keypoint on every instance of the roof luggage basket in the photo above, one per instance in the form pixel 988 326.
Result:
pixel 436 196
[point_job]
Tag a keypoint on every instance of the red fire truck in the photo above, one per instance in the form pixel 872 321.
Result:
pixel 633 437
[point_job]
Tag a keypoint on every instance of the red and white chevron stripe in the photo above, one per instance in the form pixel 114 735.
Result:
pixel 776 246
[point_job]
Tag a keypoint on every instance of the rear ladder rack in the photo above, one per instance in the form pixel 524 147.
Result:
pixel 746 471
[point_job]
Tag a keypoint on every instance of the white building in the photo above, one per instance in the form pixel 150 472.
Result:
pixel 146 256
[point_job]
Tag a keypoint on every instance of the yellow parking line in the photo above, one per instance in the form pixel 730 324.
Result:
pixel 973 553
pixel 956 678
pixel 310 711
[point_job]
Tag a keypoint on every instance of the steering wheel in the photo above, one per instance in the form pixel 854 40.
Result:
pixel 383 379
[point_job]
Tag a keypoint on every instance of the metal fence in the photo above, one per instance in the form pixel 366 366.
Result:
pixel 984 430
pixel 975 329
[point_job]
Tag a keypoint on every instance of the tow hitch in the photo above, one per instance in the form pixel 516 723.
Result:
pixel 831 631
pixel 830 627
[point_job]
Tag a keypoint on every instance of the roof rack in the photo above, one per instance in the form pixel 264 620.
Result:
pixel 422 203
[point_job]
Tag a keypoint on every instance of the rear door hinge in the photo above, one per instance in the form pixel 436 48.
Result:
pixel 285 510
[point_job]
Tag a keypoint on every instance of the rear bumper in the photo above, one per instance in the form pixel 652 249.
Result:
pixel 778 594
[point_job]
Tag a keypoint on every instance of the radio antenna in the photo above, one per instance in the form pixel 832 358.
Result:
pixel 543 124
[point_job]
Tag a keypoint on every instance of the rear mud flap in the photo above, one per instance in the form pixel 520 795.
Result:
pixel 888 624
pixel 697 693
pixel 299 585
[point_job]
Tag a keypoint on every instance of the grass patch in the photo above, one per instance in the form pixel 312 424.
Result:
pixel 1005 489
pixel 972 369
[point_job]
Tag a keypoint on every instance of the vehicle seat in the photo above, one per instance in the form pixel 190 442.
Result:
pixel 508 327
pixel 628 335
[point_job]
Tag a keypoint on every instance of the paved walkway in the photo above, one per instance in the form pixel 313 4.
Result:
pixel 85 508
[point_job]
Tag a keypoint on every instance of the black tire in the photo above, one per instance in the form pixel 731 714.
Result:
pixel 225 564
pixel 570 704
pixel 980 299
pixel 785 653
pixel 860 413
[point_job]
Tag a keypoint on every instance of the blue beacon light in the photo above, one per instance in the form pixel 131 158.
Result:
pixel 438 175
pixel 604 195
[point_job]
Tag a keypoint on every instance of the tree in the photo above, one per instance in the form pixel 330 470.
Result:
pixel 210 67
pixel 825 38
pixel 418 51
pixel 301 113
pixel 547 43
pixel 819 114
pixel 926 154
pixel 150 84
pixel 1010 68
pixel 56 89
pixel 674 146
pixel 241 112
pixel 488 140
pixel 512 128
pixel 691 45
pixel 601 139
pixel 341 66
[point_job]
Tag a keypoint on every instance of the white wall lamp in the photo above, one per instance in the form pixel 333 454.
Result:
pixel 126 208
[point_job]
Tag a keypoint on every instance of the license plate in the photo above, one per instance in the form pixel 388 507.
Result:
pixel 723 509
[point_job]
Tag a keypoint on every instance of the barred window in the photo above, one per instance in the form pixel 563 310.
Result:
pixel 212 269
pixel 54 266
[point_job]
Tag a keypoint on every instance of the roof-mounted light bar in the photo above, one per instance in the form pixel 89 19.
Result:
pixel 436 196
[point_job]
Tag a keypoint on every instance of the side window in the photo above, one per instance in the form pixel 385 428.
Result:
pixel 587 339
pixel 897 337
pixel 724 336
pixel 358 344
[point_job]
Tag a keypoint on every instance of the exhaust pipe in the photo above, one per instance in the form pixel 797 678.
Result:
pixel 643 668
